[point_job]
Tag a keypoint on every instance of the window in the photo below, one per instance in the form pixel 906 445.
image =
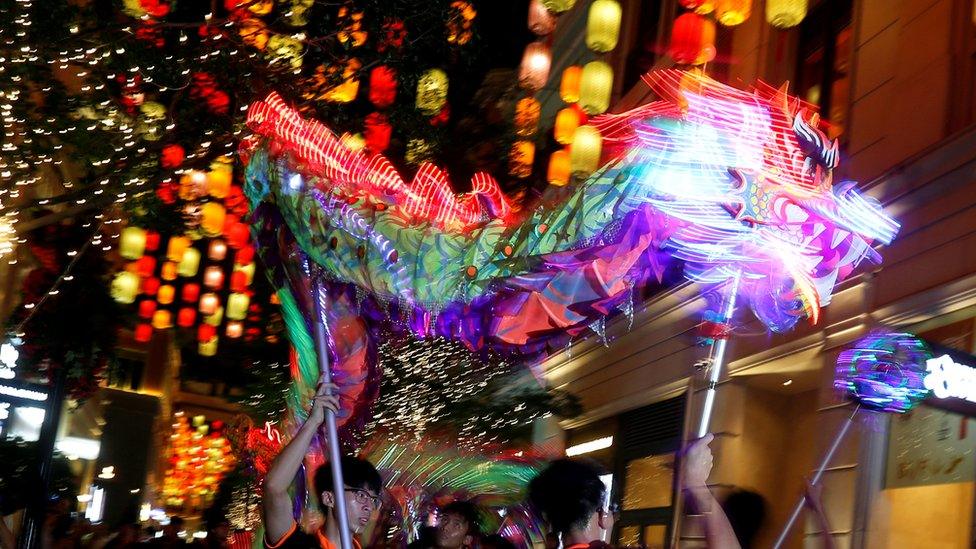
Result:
pixel 823 71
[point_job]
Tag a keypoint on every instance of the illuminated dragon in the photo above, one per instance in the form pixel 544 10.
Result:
pixel 733 183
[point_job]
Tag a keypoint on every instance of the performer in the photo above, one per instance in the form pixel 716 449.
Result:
pixel 571 496
pixel 361 490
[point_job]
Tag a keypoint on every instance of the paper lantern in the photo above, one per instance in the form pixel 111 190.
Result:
pixel 143 333
pixel 349 88
pixel 146 266
pixel 382 86
pixel 527 112
pixel 238 281
pixel 166 294
pixel 520 159
pixel 235 329
pixel 248 270
pixel 190 263
pixel 585 151
pixel 186 317
pixel 169 271
pixel 596 85
pixel 558 6
pixel 208 348
pixel 732 12
pixel 285 50
pixel 569 85
pixel 152 241
pixel 217 250
pixel 567 120
pixel 132 243
pixel 213 218
pixel 237 235
pixel 244 256
pixel 559 168
pixel 377 132
pixel 206 332
pixel 541 20
pixel 431 91
pixel 692 40
pixel 253 32
pixel 193 185
pixel 218 182
pixel 701 7
pixel 213 277
pixel 209 303
pixel 162 319
pixel 125 287
pixel 534 70
pixel 237 304
pixel 177 245
pixel 216 318
pixel 784 14
pixel 603 25
pixel 190 293
pixel 150 286
pixel 146 308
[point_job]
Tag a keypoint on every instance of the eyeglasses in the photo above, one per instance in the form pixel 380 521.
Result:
pixel 363 497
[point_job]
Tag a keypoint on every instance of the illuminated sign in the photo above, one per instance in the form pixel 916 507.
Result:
pixel 18 392
pixel 947 378
pixel 591 446
pixel 8 359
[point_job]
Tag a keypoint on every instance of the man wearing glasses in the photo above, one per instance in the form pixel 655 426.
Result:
pixel 361 490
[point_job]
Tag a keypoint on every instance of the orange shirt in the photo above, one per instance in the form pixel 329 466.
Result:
pixel 296 539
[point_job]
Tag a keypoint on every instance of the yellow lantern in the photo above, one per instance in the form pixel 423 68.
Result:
pixel 567 120
pixel 216 318
pixel 132 243
pixel 520 159
pixel 349 88
pixel 541 20
pixel 176 247
pixel 209 303
pixel 218 182
pixel 559 168
pixel 527 112
pixel 125 287
pixel 558 6
pixel 190 263
pixel 214 214
pixel 247 270
pixel 285 49
pixel 534 70
pixel 732 12
pixel 603 25
pixel 596 85
pixel 261 7
pixel 168 272
pixel 162 319
pixel 784 14
pixel 585 151
pixel 237 304
pixel 569 86
pixel 353 141
pixel 432 91
pixel 193 185
pixel 254 33
pixel 165 294
pixel 208 348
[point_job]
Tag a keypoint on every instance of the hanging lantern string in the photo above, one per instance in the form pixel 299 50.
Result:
pixel 64 277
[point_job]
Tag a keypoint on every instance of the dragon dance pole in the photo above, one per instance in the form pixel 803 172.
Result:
pixel 716 356
pixel 331 428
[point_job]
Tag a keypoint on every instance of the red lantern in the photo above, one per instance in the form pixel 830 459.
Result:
pixel 150 286
pixel 238 281
pixel 245 256
pixel 218 102
pixel 692 39
pixel 191 292
pixel 172 156
pixel 143 333
pixel 186 317
pixel 206 332
pixel 147 308
pixel 146 266
pixel 152 241
pixel 377 132
pixel 238 235
pixel 382 86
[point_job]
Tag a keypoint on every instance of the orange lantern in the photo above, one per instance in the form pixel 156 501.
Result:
pixel 209 303
pixel 177 245
pixel 218 181
pixel 527 112
pixel 191 292
pixel 692 40
pixel 702 7
pixel 169 271
pixel 193 185
pixel 569 86
pixel 213 218
pixel 382 86
pixel 166 294
pixel 143 333
pixel 186 317
pixel 521 158
pixel 162 319
pixel 732 12
pixel 213 277
pixel 559 168
pixel 567 120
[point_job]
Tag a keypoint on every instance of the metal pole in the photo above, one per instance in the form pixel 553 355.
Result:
pixel 716 357
pixel 816 478
pixel 331 428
